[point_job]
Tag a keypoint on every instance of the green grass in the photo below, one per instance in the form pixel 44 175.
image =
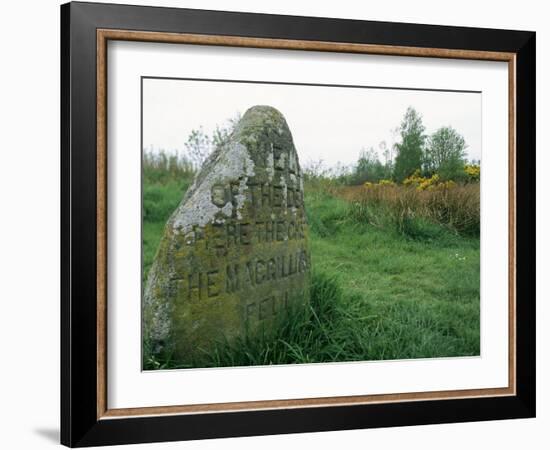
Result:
pixel 410 298
pixel 377 293
pixel 160 199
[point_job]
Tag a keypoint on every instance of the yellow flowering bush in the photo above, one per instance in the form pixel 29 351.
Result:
pixel 473 171
pixel 414 180
pixel 429 183
pixel 424 183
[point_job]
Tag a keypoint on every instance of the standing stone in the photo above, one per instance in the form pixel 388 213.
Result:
pixel 234 254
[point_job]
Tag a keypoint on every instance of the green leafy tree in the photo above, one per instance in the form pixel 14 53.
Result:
pixel 369 167
pixel 198 147
pixel 388 159
pixel 410 149
pixel 445 154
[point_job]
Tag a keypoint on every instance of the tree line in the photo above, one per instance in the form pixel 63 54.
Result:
pixel 442 153
pixel 416 153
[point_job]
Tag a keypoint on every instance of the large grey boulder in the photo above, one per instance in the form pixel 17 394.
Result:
pixel 234 254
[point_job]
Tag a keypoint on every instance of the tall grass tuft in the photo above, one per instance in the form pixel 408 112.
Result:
pixel 416 213
pixel 457 208
pixel 302 335
pixel 161 166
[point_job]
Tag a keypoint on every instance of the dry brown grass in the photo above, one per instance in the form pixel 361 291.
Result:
pixel 456 207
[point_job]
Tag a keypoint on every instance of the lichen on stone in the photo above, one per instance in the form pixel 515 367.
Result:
pixel 197 209
pixel 235 251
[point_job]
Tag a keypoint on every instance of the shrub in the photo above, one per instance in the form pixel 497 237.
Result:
pixel 473 172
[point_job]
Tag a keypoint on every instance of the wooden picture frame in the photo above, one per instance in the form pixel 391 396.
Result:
pixel 86 418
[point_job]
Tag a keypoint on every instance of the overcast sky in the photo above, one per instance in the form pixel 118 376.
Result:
pixel 328 123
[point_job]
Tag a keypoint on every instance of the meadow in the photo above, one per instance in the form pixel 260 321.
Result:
pixel 395 272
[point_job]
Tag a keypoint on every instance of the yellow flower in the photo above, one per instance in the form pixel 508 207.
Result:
pixel 473 171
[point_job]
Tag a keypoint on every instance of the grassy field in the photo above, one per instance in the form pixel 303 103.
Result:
pixel 384 286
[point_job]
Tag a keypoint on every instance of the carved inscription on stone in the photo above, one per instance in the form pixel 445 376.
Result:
pixel 234 254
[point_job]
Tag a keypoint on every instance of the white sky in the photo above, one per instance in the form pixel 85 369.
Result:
pixel 328 123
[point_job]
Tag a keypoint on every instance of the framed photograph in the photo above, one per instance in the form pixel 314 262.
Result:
pixel 277 224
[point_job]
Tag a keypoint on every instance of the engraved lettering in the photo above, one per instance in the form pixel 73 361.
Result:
pixel 245 233
pixel 232 283
pixel 219 197
pixel 211 283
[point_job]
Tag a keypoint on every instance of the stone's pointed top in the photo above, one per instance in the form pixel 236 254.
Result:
pixel 263 127
pixel 265 116
pixel 264 110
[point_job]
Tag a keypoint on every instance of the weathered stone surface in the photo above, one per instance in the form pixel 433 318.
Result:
pixel 235 252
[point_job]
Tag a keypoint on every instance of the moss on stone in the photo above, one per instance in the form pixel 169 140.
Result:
pixel 235 252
